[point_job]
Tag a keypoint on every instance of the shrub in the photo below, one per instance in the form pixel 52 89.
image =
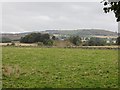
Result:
pixel 48 42
pixel 95 42
pixel 13 44
pixel 8 44
pixel 118 40
pixel 34 37
pixel 5 40
pixel 40 44
pixel 76 40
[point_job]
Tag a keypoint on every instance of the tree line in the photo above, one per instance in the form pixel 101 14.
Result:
pixel 45 39
pixel 37 37
pixel 93 41
pixel 76 40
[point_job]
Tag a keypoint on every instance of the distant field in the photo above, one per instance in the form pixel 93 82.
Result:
pixel 33 67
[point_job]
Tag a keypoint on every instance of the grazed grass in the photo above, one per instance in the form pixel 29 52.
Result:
pixel 60 67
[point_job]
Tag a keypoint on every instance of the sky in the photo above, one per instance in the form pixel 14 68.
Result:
pixel 40 16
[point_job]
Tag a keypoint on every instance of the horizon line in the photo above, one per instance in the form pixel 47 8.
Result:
pixel 57 30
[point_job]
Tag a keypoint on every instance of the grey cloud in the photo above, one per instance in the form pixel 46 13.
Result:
pixel 30 16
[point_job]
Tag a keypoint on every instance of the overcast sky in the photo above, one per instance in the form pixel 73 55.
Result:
pixel 39 16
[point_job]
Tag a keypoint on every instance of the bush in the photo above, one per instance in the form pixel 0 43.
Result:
pixel 12 44
pixel 48 42
pixel 76 40
pixel 36 37
pixel 7 44
pixel 5 40
pixel 53 38
pixel 118 40
pixel 40 44
pixel 95 42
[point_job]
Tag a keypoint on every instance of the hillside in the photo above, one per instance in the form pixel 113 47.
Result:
pixel 79 32
pixel 83 32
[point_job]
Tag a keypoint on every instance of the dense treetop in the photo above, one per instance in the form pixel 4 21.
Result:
pixel 112 6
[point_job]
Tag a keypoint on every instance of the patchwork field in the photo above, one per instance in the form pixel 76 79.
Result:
pixel 33 67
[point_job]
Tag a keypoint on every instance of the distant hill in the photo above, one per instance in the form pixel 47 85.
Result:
pixel 12 36
pixel 84 32
pixel 79 32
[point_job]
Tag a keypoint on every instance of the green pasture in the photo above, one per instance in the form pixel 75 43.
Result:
pixel 33 67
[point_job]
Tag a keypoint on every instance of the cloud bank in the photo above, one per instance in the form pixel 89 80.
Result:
pixel 39 16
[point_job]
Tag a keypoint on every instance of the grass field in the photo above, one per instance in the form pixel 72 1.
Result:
pixel 32 67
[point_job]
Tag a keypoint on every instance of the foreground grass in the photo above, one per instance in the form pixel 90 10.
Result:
pixel 59 68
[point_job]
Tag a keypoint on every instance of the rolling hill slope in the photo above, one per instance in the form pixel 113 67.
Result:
pixel 78 32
